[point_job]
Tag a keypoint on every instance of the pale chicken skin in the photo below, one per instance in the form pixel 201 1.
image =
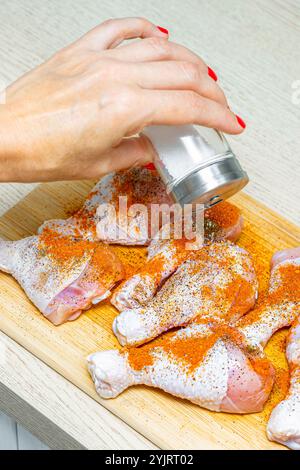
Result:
pixel 222 222
pixel 206 363
pixel 61 276
pixel 281 307
pixel 213 364
pixel 218 281
pixel 99 218
pixel 63 286
pixel 284 423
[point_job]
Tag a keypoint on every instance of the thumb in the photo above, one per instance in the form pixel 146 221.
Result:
pixel 133 151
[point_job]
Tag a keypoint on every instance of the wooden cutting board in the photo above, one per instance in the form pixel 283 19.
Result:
pixel 169 422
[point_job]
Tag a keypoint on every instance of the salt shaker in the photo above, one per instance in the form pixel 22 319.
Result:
pixel 196 164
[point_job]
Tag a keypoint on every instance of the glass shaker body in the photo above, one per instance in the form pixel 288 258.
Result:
pixel 196 163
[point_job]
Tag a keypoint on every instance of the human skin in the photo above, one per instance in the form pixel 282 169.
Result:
pixel 79 114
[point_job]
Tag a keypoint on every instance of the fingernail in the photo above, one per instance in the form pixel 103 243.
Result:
pixel 163 30
pixel 212 74
pixel 150 166
pixel 240 121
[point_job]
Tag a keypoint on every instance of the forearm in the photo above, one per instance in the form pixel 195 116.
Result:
pixel 24 157
pixel 68 118
pixel 14 148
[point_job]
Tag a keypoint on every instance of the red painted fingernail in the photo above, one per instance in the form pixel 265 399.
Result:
pixel 149 166
pixel 163 30
pixel 240 121
pixel 212 74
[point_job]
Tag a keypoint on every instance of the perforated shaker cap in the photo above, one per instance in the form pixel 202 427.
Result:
pixel 211 184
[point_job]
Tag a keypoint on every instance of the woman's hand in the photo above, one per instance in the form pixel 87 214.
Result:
pixel 71 118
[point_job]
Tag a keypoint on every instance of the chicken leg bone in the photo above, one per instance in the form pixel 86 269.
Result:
pixel 217 366
pixel 61 276
pixel 206 363
pixel 221 222
pixel 218 281
pixel 281 306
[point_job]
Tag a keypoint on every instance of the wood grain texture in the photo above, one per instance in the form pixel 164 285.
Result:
pixel 168 422
pixel 251 45
pixel 50 407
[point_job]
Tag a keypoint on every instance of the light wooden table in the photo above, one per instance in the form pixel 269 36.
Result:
pixel 254 49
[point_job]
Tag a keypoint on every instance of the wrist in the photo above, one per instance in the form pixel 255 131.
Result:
pixel 14 148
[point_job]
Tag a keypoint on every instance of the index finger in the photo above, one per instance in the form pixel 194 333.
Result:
pixel 113 31
pixel 153 50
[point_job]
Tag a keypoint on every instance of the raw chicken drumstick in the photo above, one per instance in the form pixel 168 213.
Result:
pixel 218 281
pixel 282 305
pixel 210 363
pixel 221 222
pixel 142 187
pixel 96 221
pixel 61 276
pixel 284 423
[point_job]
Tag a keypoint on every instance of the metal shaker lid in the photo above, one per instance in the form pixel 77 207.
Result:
pixel 196 164
pixel 211 184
